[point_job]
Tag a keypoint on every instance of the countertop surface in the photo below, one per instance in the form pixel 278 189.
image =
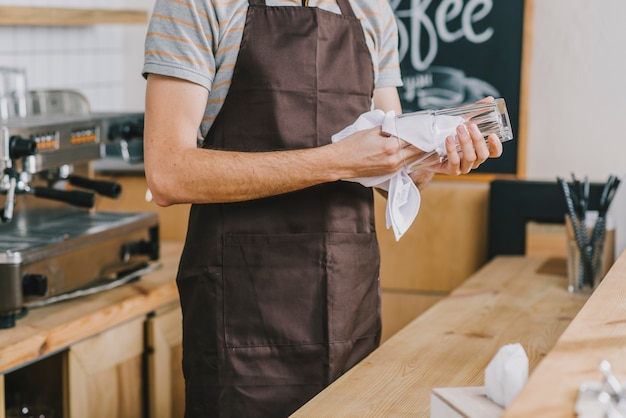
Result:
pixel 597 333
pixel 512 299
pixel 48 329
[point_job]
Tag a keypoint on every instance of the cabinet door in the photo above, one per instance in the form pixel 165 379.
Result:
pixel 166 385
pixel 105 373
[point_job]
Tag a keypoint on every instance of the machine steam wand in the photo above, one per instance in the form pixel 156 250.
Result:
pixel 13 147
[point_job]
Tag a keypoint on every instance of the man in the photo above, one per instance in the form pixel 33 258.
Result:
pixel 279 275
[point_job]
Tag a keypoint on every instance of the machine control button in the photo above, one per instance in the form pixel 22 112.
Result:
pixel 34 285
pixel 20 147
pixel 141 247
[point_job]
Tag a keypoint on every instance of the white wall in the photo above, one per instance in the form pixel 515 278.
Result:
pixel 101 61
pixel 577 105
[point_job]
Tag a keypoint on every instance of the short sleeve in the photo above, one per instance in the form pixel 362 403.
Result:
pixel 388 64
pixel 179 42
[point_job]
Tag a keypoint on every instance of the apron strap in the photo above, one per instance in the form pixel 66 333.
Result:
pixel 344 6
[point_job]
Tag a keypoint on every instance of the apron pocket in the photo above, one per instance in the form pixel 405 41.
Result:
pixel 296 289
pixel 353 287
pixel 274 289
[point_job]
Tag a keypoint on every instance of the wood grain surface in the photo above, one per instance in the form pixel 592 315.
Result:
pixel 597 333
pixel 510 300
pixel 52 16
pixel 105 373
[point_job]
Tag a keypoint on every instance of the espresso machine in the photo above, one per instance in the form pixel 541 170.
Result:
pixel 53 244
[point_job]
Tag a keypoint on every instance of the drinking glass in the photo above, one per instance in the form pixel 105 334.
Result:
pixel 491 117
pixel 13 101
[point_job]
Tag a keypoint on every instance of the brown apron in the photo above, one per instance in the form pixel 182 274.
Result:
pixel 280 295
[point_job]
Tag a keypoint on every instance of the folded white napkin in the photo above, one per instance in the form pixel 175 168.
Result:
pixel 506 374
pixel 426 132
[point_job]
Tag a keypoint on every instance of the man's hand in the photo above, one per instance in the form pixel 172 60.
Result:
pixel 472 150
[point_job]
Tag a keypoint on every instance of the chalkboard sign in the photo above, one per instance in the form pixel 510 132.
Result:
pixel 454 52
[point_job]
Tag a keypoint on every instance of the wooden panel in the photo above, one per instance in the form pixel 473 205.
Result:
pixel 446 243
pixel 172 219
pixel 508 301
pixel 546 240
pixel 49 16
pixel 522 131
pixel 105 373
pixel 166 384
pixel 2 398
pixel 400 308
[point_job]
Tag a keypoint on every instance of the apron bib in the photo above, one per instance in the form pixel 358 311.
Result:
pixel 280 295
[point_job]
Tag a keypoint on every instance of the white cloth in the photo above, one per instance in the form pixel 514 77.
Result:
pixel 506 374
pixel 426 132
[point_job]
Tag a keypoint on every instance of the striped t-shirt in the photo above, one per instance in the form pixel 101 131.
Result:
pixel 198 40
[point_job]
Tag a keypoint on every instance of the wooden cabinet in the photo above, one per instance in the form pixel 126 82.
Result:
pixel 166 386
pixel 128 371
pixel 105 373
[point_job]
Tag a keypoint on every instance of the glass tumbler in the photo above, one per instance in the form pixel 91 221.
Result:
pixel 13 100
pixel 491 117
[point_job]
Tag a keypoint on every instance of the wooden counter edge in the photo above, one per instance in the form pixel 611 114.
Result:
pixel 40 333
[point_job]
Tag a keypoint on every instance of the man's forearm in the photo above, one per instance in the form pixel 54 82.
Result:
pixel 211 176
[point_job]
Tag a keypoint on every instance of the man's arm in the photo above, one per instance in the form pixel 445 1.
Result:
pixel 179 172
pixel 387 99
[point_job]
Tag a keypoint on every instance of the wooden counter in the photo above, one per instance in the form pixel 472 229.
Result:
pixel 52 328
pixel 512 299
pixel 598 332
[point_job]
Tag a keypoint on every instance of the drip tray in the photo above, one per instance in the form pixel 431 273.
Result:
pixel 44 254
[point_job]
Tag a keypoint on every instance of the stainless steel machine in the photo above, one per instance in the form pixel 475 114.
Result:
pixel 53 244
